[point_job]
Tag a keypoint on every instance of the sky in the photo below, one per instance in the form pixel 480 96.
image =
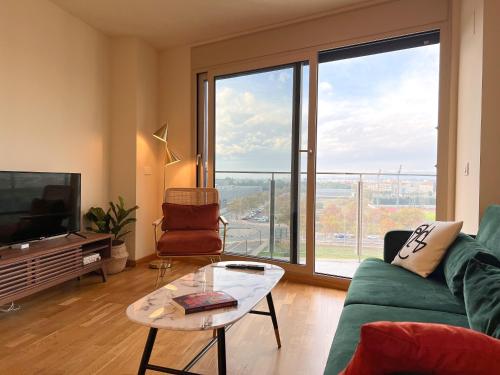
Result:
pixel 375 113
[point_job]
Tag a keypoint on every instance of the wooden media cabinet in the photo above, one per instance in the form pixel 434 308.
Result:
pixel 50 262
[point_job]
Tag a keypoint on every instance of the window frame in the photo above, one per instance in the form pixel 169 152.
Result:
pixel 243 61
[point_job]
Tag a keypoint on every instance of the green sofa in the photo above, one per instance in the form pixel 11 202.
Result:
pixel 380 291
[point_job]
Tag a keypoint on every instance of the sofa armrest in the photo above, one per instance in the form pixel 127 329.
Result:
pixel 393 242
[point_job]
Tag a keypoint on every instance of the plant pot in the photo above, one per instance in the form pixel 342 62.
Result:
pixel 118 260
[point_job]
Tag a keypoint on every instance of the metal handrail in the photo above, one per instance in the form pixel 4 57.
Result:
pixel 359 197
pixel 338 173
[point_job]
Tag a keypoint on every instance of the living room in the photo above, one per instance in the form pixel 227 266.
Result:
pixel 322 138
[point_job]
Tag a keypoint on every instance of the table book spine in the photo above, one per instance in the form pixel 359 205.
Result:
pixel 210 307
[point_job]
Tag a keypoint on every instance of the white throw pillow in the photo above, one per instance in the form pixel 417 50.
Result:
pixel 426 246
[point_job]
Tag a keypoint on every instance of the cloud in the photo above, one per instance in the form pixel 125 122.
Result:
pixel 253 127
pixel 325 87
pixel 381 114
pixel 393 126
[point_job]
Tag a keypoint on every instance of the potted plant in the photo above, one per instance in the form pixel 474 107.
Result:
pixel 114 221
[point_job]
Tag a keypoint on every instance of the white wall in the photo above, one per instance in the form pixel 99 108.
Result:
pixel 149 156
pixel 75 100
pixel 54 95
pixel 176 108
pixel 470 79
pixel 135 153
pixel 490 125
pixel 478 133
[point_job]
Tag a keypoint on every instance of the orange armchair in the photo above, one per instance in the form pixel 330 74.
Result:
pixel 189 226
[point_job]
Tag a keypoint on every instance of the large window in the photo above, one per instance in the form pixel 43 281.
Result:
pixel 371 155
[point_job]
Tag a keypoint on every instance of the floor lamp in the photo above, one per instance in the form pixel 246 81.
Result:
pixel 170 158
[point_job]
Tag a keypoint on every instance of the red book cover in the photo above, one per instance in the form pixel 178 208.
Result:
pixel 203 301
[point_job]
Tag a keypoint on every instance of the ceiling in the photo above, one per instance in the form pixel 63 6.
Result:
pixel 167 23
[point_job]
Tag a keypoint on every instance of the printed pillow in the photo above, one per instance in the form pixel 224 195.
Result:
pixel 190 217
pixel 426 246
pixel 482 294
pixel 423 348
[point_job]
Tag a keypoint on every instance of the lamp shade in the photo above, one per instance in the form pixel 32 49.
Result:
pixel 162 133
pixel 170 156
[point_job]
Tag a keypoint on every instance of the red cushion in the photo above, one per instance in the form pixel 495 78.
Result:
pixel 388 347
pixel 190 242
pixel 187 217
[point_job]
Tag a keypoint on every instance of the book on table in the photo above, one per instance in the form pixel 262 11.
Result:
pixel 203 301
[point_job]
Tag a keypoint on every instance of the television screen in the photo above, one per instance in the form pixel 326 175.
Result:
pixel 35 205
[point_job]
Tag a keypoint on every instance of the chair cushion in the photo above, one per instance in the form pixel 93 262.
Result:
pixel 380 283
pixel 189 217
pixel 489 230
pixel 354 316
pixel 190 242
pixel 423 348
pixel 482 294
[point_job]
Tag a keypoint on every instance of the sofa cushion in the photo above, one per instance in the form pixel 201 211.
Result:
pixel 489 230
pixel 190 242
pixel 455 262
pixel 423 348
pixel 380 283
pixel 482 295
pixel 354 316
pixel 189 217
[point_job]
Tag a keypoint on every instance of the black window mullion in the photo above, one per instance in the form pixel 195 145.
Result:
pixel 295 165
pixel 201 130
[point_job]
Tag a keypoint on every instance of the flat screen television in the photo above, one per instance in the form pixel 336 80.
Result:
pixel 36 205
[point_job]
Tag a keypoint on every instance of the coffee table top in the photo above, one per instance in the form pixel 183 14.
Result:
pixel 248 287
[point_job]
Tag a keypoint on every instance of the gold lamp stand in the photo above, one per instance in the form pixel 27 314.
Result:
pixel 170 158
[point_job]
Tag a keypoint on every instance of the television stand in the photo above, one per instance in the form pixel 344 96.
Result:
pixel 76 234
pixel 50 262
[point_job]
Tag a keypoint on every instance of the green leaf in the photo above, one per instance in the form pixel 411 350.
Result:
pixel 113 208
pixel 128 221
pixel 123 234
pixel 113 220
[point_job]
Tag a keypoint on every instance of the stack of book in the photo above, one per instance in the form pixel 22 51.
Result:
pixel 91 258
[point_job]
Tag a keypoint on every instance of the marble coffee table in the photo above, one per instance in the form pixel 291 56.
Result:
pixel 157 311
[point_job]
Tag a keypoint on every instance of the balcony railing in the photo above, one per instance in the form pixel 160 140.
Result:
pixel 353 211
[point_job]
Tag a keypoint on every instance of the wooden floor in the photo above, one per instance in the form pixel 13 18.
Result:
pixel 81 328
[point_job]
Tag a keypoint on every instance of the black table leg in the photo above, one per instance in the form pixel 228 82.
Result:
pixel 147 351
pixel 273 317
pixel 221 350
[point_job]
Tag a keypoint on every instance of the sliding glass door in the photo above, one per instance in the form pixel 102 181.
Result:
pixel 376 146
pixel 257 162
